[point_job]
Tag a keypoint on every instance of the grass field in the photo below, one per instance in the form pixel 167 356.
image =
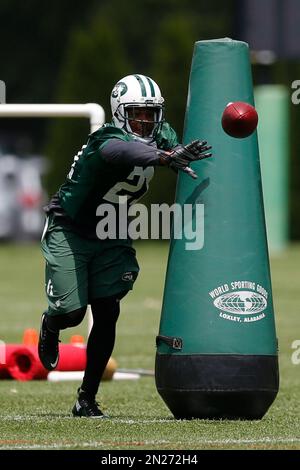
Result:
pixel 36 415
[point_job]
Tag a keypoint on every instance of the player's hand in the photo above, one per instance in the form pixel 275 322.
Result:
pixel 181 157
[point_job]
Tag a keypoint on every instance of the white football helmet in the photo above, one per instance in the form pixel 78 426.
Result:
pixel 137 106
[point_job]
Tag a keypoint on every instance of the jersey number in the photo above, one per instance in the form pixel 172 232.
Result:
pixel 135 185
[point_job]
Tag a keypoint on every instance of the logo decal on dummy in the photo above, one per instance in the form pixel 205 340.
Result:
pixel 240 301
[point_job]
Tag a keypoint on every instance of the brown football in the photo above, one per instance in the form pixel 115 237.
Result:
pixel 239 119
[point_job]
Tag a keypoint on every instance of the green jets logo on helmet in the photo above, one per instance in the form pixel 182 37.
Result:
pixel 119 90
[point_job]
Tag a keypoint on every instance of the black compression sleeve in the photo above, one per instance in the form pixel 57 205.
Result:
pixel 118 152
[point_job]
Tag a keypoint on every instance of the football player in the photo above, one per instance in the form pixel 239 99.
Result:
pixel 118 160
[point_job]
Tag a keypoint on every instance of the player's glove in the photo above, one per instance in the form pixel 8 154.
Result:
pixel 181 157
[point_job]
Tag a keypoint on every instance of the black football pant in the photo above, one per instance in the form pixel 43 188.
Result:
pixel 105 311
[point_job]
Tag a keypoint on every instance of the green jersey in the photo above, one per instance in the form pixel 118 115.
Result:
pixel 94 179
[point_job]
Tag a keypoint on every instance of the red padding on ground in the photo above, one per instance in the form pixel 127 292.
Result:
pixel 5 355
pixel 71 357
pixel 22 362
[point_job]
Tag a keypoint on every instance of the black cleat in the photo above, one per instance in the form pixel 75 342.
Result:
pixel 87 407
pixel 48 346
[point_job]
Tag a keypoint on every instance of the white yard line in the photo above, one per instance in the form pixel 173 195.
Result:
pixel 94 444
pixel 112 420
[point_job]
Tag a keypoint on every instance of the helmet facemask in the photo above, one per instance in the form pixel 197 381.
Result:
pixel 143 120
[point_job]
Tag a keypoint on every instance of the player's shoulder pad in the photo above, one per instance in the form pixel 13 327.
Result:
pixel 166 137
pixel 109 131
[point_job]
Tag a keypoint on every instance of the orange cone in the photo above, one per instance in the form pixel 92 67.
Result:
pixel 30 337
pixel 77 339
